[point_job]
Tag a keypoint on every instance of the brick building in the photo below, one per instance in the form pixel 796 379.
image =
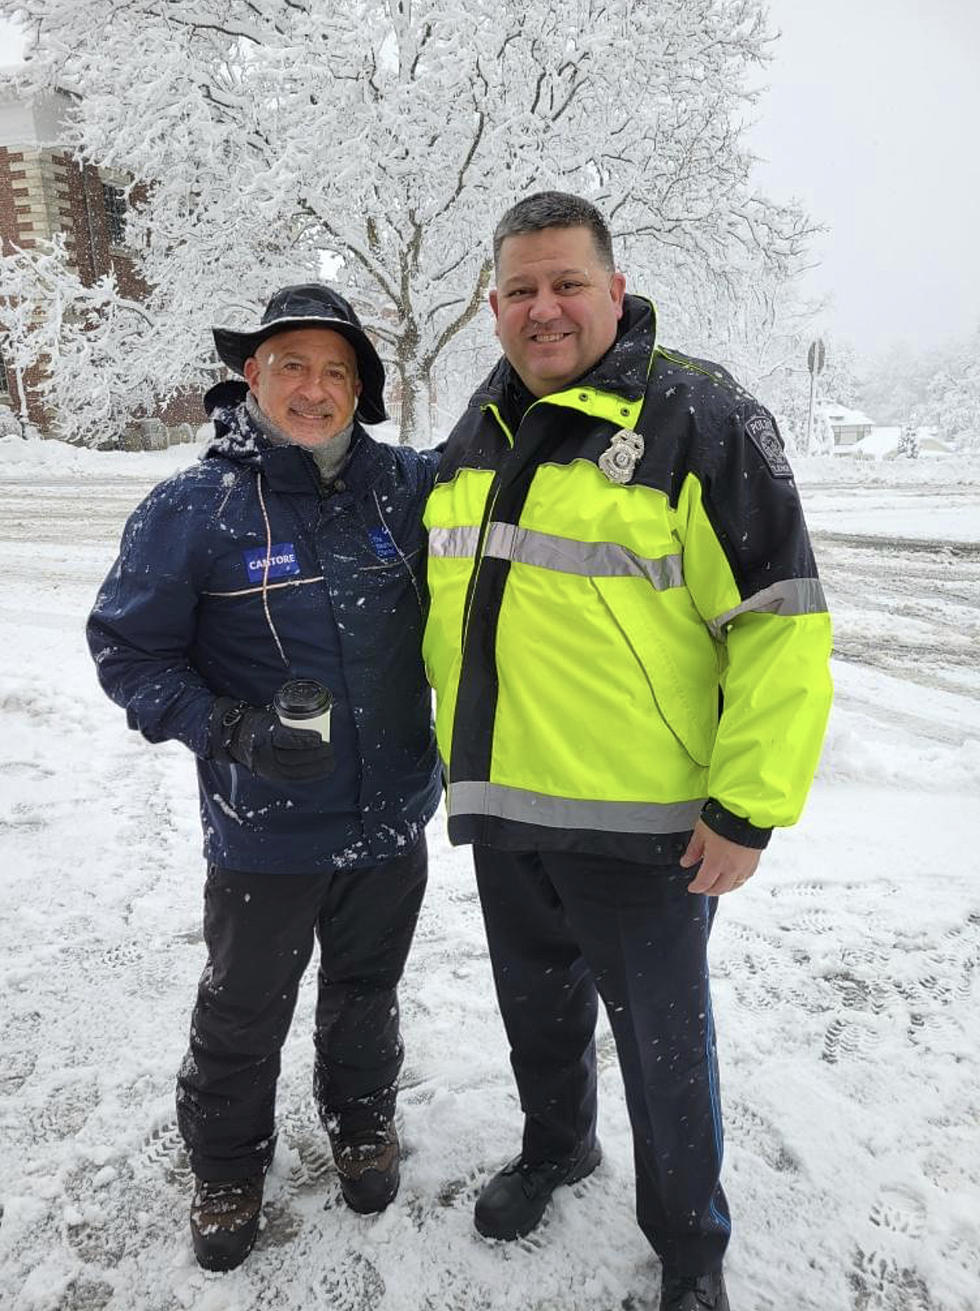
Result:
pixel 43 191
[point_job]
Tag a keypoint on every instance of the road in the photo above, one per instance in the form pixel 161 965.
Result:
pixel 908 606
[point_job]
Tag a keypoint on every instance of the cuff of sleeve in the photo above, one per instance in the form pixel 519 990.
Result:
pixel 733 827
pixel 219 730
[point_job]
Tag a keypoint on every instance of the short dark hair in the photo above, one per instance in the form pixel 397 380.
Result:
pixel 554 209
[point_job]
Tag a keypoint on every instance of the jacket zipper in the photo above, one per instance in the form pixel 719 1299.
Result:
pixel 484 526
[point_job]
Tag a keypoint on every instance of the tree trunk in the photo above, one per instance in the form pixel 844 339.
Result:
pixel 416 411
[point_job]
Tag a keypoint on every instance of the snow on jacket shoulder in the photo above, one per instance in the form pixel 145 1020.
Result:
pixel 191 611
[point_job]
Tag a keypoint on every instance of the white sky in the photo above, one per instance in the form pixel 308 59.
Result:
pixel 871 120
pixel 11 43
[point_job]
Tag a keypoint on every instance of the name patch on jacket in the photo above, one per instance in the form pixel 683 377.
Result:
pixel 281 557
pixel 764 437
pixel 384 547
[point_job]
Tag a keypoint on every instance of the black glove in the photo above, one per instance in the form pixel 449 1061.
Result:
pixel 258 740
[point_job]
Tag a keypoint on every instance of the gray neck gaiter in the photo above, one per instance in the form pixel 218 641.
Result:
pixel 330 456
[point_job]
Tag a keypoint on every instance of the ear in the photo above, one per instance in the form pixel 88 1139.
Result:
pixel 494 304
pixel 617 290
pixel 251 371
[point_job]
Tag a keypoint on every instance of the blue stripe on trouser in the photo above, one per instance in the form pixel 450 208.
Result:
pixel 711 1056
pixel 561 927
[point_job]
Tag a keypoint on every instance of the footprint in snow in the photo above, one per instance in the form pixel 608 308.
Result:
pixel 900 1210
pixel 879 1283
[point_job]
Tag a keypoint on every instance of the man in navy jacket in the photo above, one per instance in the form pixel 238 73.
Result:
pixel 294 549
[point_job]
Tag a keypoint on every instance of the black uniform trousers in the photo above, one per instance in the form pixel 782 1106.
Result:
pixel 563 928
pixel 259 931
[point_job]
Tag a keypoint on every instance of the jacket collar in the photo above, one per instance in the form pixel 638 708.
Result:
pixel 622 371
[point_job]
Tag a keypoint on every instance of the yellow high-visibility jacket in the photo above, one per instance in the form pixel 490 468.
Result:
pixel 626 627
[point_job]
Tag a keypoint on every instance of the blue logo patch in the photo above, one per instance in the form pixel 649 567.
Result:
pixel 282 562
pixel 383 545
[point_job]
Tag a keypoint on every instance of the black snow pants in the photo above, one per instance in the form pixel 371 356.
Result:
pixel 564 928
pixel 259 931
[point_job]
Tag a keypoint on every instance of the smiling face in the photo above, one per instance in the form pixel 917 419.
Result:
pixel 556 306
pixel 306 381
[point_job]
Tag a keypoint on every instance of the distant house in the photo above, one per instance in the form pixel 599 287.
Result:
pixel 849 426
pixel 44 191
pixel 884 443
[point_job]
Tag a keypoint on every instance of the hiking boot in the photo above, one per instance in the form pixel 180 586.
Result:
pixel 693 1293
pixel 514 1200
pixel 367 1165
pixel 225 1220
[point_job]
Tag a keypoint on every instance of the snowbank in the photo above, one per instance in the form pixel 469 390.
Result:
pixel 18 456
pixel 940 470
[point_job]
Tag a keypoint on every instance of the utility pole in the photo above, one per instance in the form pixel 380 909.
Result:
pixel 816 357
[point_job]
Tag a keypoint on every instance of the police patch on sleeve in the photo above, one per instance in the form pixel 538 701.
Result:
pixel 762 433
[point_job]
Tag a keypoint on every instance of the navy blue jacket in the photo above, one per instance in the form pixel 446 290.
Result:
pixel 181 619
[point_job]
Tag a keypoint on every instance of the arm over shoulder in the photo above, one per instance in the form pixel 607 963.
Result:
pixel 420 466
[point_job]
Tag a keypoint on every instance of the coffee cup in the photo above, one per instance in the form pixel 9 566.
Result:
pixel 304 703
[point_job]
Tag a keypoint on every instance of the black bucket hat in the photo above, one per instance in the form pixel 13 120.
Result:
pixel 310 305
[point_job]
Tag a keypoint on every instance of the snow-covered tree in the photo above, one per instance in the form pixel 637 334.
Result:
pixel 758 327
pixel 48 314
pixel 381 140
pixel 843 376
pixel 938 387
pixel 954 394
pixel 896 384
pixel 908 442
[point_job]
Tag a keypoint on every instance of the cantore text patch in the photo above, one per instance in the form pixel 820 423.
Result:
pixel 282 562
pixel 764 437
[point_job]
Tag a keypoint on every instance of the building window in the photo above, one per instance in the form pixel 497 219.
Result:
pixel 114 199
pixel 4 385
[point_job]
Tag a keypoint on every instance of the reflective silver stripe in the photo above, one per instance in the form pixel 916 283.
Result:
pixel 795 596
pixel 565 812
pixel 508 541
pixel 454 542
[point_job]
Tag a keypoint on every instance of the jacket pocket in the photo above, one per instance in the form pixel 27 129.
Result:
pixel 685 699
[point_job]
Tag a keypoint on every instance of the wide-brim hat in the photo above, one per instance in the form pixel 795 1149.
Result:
pixel 312 305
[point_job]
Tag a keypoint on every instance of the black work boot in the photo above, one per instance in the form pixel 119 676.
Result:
pixel 514 1200
pixel 225 1220
pixel 367 1165
pixel 693 1292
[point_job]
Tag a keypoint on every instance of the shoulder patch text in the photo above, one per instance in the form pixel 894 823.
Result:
pixel 763 435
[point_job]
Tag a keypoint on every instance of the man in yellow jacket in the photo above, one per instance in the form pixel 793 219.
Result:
pixel 629 645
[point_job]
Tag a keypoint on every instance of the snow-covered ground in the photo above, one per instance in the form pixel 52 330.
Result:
pixel 846 977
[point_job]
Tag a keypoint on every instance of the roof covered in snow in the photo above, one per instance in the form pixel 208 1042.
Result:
pixel 839 416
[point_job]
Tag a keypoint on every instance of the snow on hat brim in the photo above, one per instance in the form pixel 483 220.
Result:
pixel 234 348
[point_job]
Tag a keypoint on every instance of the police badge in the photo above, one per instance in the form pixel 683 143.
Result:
pixel 618 462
